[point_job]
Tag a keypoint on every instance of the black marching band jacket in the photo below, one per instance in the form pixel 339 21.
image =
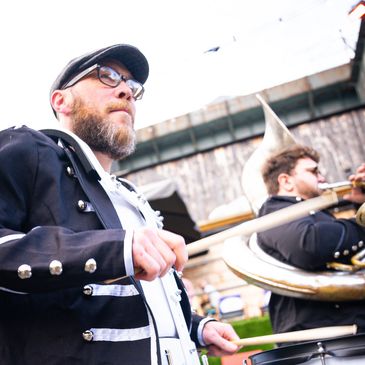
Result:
pixel 309 243
pixel 53 212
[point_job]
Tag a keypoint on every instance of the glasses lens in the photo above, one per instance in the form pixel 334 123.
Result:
pixel 108 76
pixel 136 87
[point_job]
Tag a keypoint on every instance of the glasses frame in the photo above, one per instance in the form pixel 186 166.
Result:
pixel 129 82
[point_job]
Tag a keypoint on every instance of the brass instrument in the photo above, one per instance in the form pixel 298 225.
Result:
pixel 247 260
pixel 342 187
pixel 276 136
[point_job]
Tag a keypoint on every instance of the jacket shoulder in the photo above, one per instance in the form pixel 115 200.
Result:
pixel 23 140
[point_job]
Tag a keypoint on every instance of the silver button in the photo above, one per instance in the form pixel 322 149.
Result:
pixel 90 266
pixel 354 248
pixel 55 267
pixel 88 290
pixel 336 255
pixel 87 335
pixel 361 243
pixel 176 297
pixel 141 198
pixel 81 205
pixel 24 271
pixel 70 171
pixel 346 252
pixel 298 198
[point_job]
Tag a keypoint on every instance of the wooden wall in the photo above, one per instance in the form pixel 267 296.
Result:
pixel 209 179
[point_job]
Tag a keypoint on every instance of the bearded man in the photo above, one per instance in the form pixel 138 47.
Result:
pixel 87 273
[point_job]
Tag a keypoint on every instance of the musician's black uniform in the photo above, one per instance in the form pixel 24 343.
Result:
pixel 309 243
pixel 53 209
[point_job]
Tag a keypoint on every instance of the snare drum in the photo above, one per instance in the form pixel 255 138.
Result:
pixel 349 350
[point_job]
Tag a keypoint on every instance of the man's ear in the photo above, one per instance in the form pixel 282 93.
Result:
pixel 61 101
pixel 286 183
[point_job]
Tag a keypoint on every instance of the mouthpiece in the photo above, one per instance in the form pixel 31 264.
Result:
pixel 342 187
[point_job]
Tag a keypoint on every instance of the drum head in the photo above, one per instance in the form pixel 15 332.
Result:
pixel 350 347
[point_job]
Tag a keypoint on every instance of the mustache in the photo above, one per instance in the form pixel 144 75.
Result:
pixel 122 105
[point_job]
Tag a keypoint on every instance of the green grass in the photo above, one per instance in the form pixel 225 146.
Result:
pixel 251 327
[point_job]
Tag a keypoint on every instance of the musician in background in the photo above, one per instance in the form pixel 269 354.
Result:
pixel 291 176
pixel 87 274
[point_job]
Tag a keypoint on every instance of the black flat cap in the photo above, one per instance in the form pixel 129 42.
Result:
pixel 131 57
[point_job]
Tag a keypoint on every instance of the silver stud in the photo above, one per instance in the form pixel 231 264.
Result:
pixel 141 198
pixel 176 297
pixel 24 271
pixel 354 248
pixel 361 243
pixel 81 205
pixel 336 255
pixel 312 212
pixel 90 266
pixel 70 171
pixel 88 290
pixel 87 335
pixel 346 252
pixel 298 198
pixel 55 267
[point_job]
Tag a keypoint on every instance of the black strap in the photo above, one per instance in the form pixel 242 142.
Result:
pixel 55 133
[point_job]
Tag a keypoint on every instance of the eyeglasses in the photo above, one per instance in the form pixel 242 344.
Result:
pixel 110 77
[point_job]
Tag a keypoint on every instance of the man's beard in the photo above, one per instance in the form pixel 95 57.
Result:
pixel 308 192
pixel 101 134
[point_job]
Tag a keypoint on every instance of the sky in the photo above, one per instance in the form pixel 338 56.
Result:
pixel 198 50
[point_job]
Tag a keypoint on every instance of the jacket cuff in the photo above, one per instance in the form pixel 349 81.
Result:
pixel 201 328
pixel 128 258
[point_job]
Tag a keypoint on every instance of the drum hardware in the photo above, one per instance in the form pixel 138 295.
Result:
pixel 349 350
pixel 322 352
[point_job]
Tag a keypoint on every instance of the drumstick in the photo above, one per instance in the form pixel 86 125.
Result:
pixel 266 222
pixel 304 335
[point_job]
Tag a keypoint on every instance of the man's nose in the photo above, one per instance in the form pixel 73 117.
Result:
pixel 321 178
pixel 124 91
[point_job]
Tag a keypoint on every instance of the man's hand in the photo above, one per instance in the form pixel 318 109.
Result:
pixel 357 193
pixel 155 251
pixel 218 336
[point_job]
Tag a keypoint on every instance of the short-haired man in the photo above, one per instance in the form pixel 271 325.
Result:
pixel 87 274
pixel 293 175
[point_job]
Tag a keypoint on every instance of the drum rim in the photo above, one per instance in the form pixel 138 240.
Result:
pixel 305 350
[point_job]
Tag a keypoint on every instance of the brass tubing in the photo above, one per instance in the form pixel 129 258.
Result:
pixel 342 187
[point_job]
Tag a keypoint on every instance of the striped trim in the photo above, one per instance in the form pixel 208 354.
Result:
pixel 119 335
pixel 114 290
pixel 12 291
pixel 11 237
